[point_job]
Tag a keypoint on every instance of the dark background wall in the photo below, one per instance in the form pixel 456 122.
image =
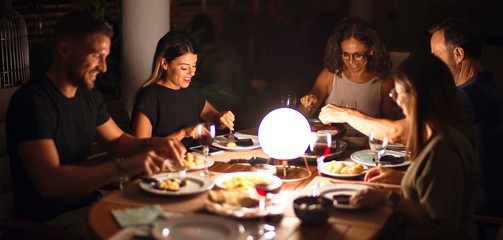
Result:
pixel 255 51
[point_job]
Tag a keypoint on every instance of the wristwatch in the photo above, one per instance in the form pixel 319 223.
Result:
pixel 392 198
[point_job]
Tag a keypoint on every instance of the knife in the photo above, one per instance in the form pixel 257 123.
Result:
pixel 253 161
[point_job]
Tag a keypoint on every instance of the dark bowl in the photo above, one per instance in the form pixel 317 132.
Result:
pixel 312 210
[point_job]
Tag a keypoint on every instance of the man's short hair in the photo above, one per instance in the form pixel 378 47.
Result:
pixel 463 34
pixel 77 25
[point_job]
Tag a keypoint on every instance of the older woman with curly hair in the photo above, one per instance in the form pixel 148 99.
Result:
pixel 356 67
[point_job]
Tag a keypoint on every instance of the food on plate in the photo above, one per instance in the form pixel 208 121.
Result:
pixel 343 168
pixel 231 145
pixel 191 160
pixel 234 198
pixel 324 127
pixel 390 159
pixel 172 184
pixel 246 142
pixel 245 182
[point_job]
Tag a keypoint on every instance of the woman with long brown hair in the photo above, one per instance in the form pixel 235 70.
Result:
pixel 167 104
pixel 438 190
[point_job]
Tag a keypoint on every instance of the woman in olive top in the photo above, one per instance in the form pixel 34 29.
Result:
pixel 438 190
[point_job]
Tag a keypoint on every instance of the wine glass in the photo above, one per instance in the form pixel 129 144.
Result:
pixel 378 146
pixel 264 231
pixel 289 101
pixel 205 134
pixel 351 104
pixel 320 147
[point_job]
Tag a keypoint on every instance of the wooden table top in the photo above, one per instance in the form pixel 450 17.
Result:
pixel 342 224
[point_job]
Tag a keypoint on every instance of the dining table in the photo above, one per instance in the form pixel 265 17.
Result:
pixel 366 223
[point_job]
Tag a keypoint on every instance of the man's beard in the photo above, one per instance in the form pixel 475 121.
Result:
pixel 453 67
pixel 79 81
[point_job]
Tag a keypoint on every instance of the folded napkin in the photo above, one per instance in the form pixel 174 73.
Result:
pixel 140 219
pixel 139 216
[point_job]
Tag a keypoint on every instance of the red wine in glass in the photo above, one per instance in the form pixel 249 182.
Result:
pixel 321 149
pixel 205 140
pixel 264 230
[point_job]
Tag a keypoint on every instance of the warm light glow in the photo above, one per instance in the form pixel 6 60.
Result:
pixel 284 134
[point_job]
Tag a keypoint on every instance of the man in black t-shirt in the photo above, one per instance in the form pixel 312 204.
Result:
pixel 52 121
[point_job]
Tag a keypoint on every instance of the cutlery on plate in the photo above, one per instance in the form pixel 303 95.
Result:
pixel 231 137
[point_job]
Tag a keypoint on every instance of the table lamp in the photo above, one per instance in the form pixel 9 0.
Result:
pixel 284 134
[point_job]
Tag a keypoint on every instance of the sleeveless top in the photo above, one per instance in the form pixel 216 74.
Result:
pixel 367 95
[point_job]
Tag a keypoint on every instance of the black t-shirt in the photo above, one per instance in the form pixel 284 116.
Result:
pixel 38 110
pixel 485 112
pixel 169 110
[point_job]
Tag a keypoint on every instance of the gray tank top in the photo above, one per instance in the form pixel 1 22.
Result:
pixel 367 95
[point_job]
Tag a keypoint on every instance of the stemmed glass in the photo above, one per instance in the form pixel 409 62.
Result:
pixel 205 135
pixel 264 231
pixel 351 104
pixel 289 101
pixel 320 147
pixel 378 146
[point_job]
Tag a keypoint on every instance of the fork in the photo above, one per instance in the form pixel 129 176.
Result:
pixel 231 136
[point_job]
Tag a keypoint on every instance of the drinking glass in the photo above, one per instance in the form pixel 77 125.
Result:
pixel 264 231
pixel 351 104
pixel 289 101
pixel 378 146
pixel 205 134
pixel 320 147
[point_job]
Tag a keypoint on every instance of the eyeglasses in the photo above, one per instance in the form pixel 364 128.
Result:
pixel 393 94
pixel 357 56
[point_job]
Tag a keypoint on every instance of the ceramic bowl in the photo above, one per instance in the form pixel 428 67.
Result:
pixel 312 210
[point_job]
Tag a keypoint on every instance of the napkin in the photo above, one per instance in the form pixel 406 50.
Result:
pixel 139 216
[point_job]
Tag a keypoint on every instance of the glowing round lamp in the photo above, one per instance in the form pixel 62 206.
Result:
pixel 284 134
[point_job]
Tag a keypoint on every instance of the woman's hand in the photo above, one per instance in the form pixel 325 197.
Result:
pixel 309 100
pixel 368 198
pixel 226 118
pixel 383 175
pixel 333 114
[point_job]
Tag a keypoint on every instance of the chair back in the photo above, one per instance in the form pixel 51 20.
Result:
pixel 6 209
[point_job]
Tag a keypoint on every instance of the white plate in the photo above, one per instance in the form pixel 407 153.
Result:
pixel 197 226
pixel 337 175
pixel 365 157
pixel 210 163
pixel 338 189
pixel 221 142
pixel 195 184
pixel 275 205
pixel 274 182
